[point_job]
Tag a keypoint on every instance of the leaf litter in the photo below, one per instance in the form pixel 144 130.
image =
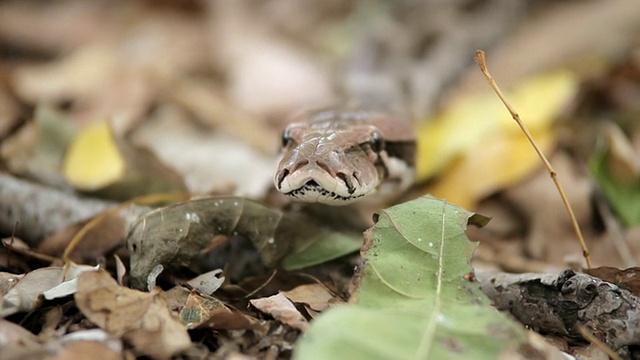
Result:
pixel 233 73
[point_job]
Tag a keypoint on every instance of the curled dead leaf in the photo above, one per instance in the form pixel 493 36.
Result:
pixel 142 319
pixel 177 235
pixel 282 309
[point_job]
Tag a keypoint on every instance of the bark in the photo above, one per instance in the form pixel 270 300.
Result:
pixel 35 211
pixel 559 304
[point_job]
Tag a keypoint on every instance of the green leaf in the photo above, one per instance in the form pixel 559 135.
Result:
pixel 321 244
pixel 413 301
pixel 623 194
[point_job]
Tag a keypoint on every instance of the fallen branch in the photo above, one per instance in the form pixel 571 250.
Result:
pixel 566 304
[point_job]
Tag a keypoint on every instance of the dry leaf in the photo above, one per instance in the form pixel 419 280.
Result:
pixel 267 75
pixel 9 112
pixel 193 308
pixel 198 310
pixel 550 234
pixel 143 319
pixel 208 282
pixel 84 349
pixel 8 281
pixel 106 235
pixel 476 148
pixel 628 278
pixel 70 285
pixel 74 76
pixel 282 309
pixel 314 296
pixel 179 234
pixel 16 342
pixel 37 149
pixel 233 319
pixel 25 295
pixel 196 154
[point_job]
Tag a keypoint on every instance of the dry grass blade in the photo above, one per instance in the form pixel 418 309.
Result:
pixel 8 244
pixel 594 340
pixel 142 200
pixel 479 58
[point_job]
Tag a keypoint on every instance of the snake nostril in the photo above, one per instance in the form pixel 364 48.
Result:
pixel 355 176
pixel 347 181
pixel 281 175
pixel 298 165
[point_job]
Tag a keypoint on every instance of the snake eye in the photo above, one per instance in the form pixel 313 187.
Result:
pixel 286 137
pixel 376 141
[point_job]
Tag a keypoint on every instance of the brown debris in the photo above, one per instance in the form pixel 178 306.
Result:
pixel 143 319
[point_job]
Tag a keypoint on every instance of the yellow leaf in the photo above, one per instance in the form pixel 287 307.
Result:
pixel 477 148
pixel 468 122
pixel 500 161
pixel 93 160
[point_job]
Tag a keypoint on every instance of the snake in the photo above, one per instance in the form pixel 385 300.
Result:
pixel 341 156
pixel 329 156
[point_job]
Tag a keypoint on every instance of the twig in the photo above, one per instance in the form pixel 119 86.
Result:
pixel 8 244
pixel 142 200
pixel 483 67
pixel 255 291
pixel 595 341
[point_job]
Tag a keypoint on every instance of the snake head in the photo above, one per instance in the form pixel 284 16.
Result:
pixel 330 158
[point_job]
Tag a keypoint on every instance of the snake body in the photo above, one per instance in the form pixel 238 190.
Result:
pixel 337 157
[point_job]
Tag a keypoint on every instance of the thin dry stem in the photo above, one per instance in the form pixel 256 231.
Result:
pixel 594 340
pixel 483 67
pixel 7 243
pixel 142 200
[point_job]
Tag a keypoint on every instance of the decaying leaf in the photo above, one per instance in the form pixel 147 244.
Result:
pixel 194 308
pixel 101 238
pixel 315 297
pixel 187 148
pixel 208 282
pixel 9 112
pixel 550 235
pixel 8 281
pixel 25 295
pixel 50 282
pixel 176 235
pixel 37 150
pixel 16 342
pixel 142 319
pixel 198 310
pixel 70 284
pixel 628 278
pixel 83 349
pixel 282 309
pixel 412 300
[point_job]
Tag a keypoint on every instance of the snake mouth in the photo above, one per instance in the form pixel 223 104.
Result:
pixel 315 181
pixel 312 191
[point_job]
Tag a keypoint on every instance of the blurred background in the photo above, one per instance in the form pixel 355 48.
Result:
pixel 120 98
